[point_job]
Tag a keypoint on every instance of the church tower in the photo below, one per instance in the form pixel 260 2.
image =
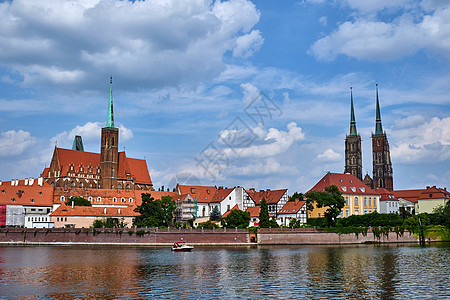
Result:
pixel 353 156
pixel 382 166
pixel 109 152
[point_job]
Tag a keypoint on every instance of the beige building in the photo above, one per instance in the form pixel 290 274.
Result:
pixel 424 200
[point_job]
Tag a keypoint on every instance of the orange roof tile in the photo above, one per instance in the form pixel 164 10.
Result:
pixel 64 210
pixel 203 194
pixel 292 207
pixel 271 196
pixel 254 211
pixel 29 194
pixel 347 184
pixel 409 195
pixel 228 212
pixel 434 193
pixel 386 195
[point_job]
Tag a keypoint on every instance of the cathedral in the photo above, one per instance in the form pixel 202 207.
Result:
pixel 382 176
pixel 74 168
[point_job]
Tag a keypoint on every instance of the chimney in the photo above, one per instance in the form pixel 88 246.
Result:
pixel 26 181
pixel 1 182
pixel 30 181
pixel 40 181
pixel 104 210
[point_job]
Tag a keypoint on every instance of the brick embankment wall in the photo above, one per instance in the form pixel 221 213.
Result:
pixel 151 236
pixel 311 236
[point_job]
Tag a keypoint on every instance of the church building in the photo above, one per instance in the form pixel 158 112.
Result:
pixel 353 156
pixel 74 168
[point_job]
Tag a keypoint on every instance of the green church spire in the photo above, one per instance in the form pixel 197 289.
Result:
pixel 378 126
pixel 110 119
pixel 352 116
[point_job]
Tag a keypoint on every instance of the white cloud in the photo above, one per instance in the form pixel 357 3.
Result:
pixel 429 140
pixel 15 142
pixel 89 132
pixel 247 44
pixel 272 142
pixel 148 43
pixel 323 20
pixel 329 156
pixel 383 40
pixel 375 5
pixel 250 92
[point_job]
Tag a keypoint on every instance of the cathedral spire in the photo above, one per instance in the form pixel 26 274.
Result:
pixel 352 116
pixel 110 118
pixel 378 126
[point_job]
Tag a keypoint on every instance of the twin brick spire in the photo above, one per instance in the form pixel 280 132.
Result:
pixel 382 167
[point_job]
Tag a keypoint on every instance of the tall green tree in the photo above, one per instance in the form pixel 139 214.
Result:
pixel 264 221
pixel 109 223
pixel 237 218
pixel 330 198
pixel 155 213
pixel 296 195
pixel 215 214
pixel 78 201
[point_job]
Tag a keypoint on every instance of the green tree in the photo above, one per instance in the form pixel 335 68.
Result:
pixel 78 201
pixel 331 198
pixel 109 223
pixel 208 225
pixel 264 221
pixel 237 218
pixel 155 213
pixel 296 195
pixel 215 214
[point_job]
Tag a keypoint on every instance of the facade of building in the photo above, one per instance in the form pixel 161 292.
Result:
pixel 111 169
pixel 26 203
pixel 293 210
pixel 275 199
pixel 359 199
pixel 381 160
pixel 388 202
pixel 353 151
pixel 425 200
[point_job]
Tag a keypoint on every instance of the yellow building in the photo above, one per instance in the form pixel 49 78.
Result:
pixel 424 200
pixel 359 199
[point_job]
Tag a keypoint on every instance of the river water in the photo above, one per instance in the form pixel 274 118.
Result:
pixel 301 272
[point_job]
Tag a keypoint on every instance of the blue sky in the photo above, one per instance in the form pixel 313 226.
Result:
pixel 188 77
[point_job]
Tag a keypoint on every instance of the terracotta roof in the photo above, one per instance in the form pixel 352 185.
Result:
pixel 64 210
pixel 292 207
pixel 254 211
pixel 221 194
pixel 347 183
pixel 29 194
pixel 228 212
pixel 271 196
pixel 409 195
pixel 386 195
pixel 434 193
pixel 203 194
pixel 136 167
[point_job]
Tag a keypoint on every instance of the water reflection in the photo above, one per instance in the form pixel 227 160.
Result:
pixel 356 272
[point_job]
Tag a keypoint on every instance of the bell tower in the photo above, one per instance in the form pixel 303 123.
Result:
pixel 382 166
pixel 109 152
pixel 353 153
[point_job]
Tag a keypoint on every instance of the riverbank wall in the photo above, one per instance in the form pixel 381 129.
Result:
pixel 164 237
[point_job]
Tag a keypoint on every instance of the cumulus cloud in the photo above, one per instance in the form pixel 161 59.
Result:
pixel 375 5
pixel 89 132
pixel 268 143
pixel 15 142
pixel 247 44
pixel 148 43
pixel 427 140
pixel 329 155
pixel 383 40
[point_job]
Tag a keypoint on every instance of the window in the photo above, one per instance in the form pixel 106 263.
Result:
pixel 356 201
pixel 99 199
pixel 57 219
pixel 114 199
pixel 130 199
pixel 374 202
pixel 119 186
pixel 319 215
pixel 365 201
pixel 346 201
pixel 370 201
pixel 65 219
pixel 62 198
pixel 122 199
pixel 365 212
pixel 378 142
pixel 90 199
pixel 72 184
pixel 80 184
pixel 356 212
pixel 228 207
pixel 32 200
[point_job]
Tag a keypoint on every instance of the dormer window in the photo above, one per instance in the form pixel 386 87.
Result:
pixel 99 199
pixel 130 199
pixel 62 198
pixel 114 199
pixel 344 188
pixel 362 189
pixel 90 199
pixel 122 199
pixel 353 189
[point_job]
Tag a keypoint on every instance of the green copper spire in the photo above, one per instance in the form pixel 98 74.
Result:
pixel 352 116
pixel 378 127
pixel 110 119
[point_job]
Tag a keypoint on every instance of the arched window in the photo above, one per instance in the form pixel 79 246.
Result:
pixel 122 199
pixel 365 201
pixel 380 173
pixel 113 143
pixel 90 199
pixel 119 186
pixel 114 199
pixel 130 199
pixel 356 201
pixel 380 183
pixel 62 198
pixel 99 199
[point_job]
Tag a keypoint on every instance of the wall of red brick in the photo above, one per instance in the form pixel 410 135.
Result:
pixel 285 236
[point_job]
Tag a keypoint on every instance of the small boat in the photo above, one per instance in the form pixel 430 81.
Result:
pixel 181 247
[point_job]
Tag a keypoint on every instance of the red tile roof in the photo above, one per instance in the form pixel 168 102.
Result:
pixel 26 194
pixel 409 195
pixel 386 195
pixel 292 207
pixel 254 211
pixel 347 183
pixel 432 192
pixel 228 212
pixel 271 196
pixel 136 167
pixel 64 210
